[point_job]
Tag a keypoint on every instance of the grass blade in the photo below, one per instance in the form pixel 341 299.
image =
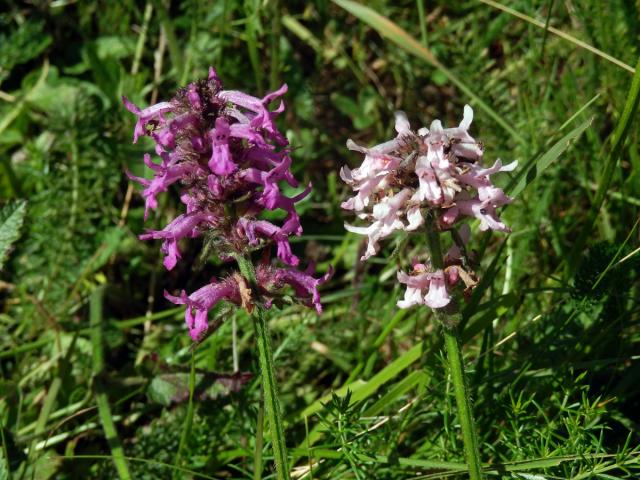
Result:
pixel 535 167
pixel 560 34
pixel 361 390
pixel 102 401
pixel 618 137
pixel 400 37
pixel 186 431
pixel 252 28
pixel 175 51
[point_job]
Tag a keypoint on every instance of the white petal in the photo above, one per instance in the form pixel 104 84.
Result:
pixel 402 123
pixel 510 167
pixel 467 118
pixel 359 230
pixel 381 210
pixel 412 297
pixel 414 216
pixel 351 145
pixel 436 127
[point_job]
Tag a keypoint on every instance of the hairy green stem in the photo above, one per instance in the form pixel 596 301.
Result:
pixel 265 356
pixel 257 456
pixel 456 367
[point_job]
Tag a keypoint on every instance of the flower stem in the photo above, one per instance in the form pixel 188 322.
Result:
pixel 456 366
pixel 265 356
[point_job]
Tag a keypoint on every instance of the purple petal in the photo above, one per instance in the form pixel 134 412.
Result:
pixel 220 162
pixel 203 300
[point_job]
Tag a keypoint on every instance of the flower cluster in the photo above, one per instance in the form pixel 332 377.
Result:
pixel 224 149
pixel 435 172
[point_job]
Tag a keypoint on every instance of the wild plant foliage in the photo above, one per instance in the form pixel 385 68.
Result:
pixel 99 376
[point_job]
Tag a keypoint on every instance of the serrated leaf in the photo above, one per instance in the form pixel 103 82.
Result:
pixel 166 389
pixel 169 388
pixel 11 219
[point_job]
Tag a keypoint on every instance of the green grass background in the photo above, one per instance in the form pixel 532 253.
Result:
pixel 96 365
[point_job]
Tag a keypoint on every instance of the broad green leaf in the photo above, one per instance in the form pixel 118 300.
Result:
pixel 400 37
pixel 11 219
pixel 45 470
pixel 114 46
pixel 16 110
pixel 346 105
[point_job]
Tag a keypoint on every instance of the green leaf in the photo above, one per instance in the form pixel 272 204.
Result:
pixel 535 167
pixel 11 219
pixel 495 308
pixel 345 105
pixel 415 378
pixel 364 389
pixel 166 389
pixel 18 46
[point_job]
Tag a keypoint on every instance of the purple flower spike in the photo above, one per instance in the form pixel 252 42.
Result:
pixel 165 175
pixel 223 148
pixel 194 97
pixel 256 229
pixel 256 112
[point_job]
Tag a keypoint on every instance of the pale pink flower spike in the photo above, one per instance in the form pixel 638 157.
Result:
pixel 433 172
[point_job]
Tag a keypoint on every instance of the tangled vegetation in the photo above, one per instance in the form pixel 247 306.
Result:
pixel 99 376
